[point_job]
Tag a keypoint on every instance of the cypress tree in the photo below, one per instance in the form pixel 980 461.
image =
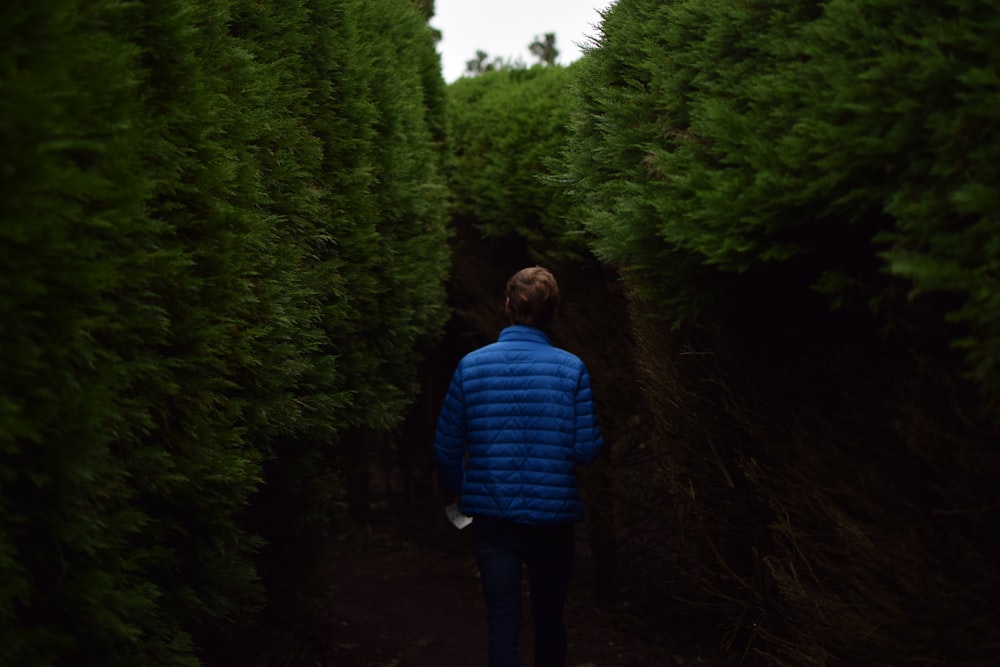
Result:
pixel 206 208
pixel 83 260
pixel 507 126
pixel 729 138
pixel 802 195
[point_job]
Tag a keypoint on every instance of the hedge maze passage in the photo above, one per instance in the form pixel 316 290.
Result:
pixel 244 244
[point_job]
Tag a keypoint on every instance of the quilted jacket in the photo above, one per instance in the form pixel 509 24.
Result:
pixel 516 421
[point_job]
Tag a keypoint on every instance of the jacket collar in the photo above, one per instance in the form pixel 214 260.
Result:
pixel 522 333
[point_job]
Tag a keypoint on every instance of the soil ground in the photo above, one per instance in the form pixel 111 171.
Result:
pixel 396 603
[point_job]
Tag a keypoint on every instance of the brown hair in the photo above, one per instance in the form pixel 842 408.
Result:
pixel 532 297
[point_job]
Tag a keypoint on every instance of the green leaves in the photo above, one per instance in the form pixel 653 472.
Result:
pixel 850 138
pixel 506 127
pixel 222 227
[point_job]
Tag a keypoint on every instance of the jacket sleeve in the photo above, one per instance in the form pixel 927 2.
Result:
pixel 588 431
pixel 449 438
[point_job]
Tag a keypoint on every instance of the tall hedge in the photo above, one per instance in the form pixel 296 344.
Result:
pixel 74 233
pixel 506 127
pixel 802 199
pixel 193 204
pixel 853 139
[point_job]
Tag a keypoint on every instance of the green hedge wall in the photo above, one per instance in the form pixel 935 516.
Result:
pixel 506 128
pixel 222 232
pixel 802 198
pixel 850 143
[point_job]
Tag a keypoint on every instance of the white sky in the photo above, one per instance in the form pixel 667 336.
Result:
pixel 505 28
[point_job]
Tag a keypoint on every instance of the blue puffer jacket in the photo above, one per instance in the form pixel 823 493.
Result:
pixel 522 410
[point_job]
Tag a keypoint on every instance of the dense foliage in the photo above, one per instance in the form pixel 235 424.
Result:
pixel 505 128
pixel 847 141
pixel 803 200
pixel 222 232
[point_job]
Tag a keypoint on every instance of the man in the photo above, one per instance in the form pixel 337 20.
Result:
pixel 516 421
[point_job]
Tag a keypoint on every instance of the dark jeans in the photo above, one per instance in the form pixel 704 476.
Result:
pixel 502 548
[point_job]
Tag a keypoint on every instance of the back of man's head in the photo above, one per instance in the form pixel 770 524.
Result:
pixel 532 297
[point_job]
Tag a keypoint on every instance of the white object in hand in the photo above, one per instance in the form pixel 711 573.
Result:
pixel 456 517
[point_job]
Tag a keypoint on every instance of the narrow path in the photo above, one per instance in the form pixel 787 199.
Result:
pixel 397 604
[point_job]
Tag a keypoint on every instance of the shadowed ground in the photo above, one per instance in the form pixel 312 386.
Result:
pixel 378 600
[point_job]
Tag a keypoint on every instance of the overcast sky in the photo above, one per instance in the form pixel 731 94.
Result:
pixel 505 28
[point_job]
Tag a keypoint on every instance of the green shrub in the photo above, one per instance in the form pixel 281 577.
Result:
pixel 506 126
pixel 848 143
pixel 802 199
pixel 206 206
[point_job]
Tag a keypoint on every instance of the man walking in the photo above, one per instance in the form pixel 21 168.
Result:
pixel 517 420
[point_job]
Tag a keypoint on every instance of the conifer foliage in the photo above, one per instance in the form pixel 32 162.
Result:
pixel 222 233
pixel 506 126
pixel 852 139
pixel 804 196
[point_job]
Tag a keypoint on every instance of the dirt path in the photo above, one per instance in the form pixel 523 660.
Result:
pixel 397 604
